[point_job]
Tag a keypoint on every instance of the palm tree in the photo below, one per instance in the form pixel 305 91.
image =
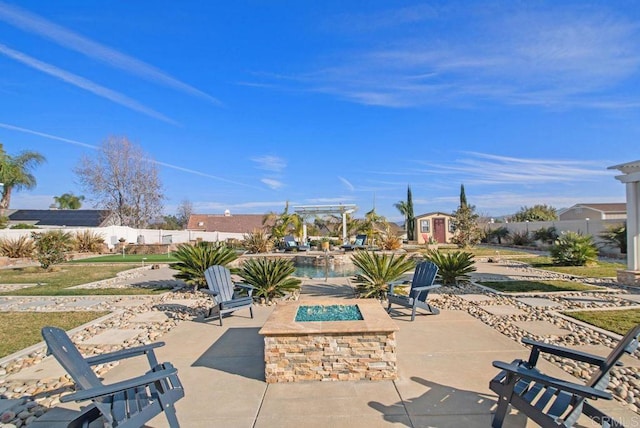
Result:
pixel 284 223
pixel 68 201
pixel 372 225
pixel 15 173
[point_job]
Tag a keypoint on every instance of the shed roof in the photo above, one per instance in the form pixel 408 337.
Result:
pixel 434 213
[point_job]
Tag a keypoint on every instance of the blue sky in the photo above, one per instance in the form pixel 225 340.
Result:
pixel 248 104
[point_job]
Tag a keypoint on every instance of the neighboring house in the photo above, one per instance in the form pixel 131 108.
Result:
pixel 613 211
pixel 237 223
pixel 436 225
pixel 62 218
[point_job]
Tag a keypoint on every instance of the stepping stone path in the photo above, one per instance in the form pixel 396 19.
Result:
pixel 503 310
pixel 541 328
pixel 112 337
pixel 476 298
pixel 631 297
pixel 585 300
pixel 539 302
pixel 146 317
pixel 83 303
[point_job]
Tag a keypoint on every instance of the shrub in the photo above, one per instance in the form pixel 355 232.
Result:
pixel 378 270
pixel 86 241
pixel 388 241
pixel 193 260
pixel 521 238
pixel 4 221
pixel 258 242
pixel 16 248
pixel 545 234
pixel 497 235
pixel 573 249
pixel 616 236
pixel 51 246
pixel 453 267
pixel 270 277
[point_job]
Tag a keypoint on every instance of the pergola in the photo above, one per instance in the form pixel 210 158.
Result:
pixel 342 209
pixel 631 179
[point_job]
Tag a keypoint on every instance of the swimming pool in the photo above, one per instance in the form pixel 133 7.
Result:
pixel 330 271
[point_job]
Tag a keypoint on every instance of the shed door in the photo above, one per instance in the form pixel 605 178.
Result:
pixel 439 230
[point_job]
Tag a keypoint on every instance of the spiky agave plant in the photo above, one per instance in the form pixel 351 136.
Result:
pixel 270 278
pixel 454 267
pixel 378 270
pixel 193 260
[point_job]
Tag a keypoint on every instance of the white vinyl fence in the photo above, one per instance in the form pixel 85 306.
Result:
pixel 112 235
pixel 585 227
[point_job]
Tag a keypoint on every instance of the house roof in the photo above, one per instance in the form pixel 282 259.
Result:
pixel 237 223
pixel 620 207
pixel 70 218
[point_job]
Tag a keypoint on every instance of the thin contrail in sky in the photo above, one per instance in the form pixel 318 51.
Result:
pixel 91 146
pixel 83 83
pixel 35 24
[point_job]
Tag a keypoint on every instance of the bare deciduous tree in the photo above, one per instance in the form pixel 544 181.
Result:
pixel 124 180
pixel 184 211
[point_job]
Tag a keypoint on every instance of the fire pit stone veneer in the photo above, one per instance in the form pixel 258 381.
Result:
pixel 330 350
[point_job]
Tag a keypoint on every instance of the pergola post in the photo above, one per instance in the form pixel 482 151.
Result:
pixel 343 209
pixel 631 179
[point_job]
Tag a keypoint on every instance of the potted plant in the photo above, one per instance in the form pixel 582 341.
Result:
pixel 325 244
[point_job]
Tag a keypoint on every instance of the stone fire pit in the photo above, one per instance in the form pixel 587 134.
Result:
pixel 329 350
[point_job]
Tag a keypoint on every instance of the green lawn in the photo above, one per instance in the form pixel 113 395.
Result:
pixel 128 258
pixel 534 286
pixel 19 330
pixel 618 321
pixel 487 251
pixel 56 283
pixel 600 270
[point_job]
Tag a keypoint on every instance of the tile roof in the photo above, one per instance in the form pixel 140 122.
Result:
pixel 70 218
pixel 237 223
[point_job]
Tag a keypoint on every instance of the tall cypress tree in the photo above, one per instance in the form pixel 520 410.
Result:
pixel 465 221
pixel 411 227
pixel 463 197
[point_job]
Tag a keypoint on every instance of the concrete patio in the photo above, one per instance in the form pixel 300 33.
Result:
pixel 444 368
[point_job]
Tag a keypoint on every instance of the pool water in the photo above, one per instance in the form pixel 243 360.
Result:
pixel 331 271
pixel 328 313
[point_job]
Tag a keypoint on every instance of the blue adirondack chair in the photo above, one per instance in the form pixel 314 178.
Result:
pixel 552 402
pixel 290 244
pixel 421 284
pixel 129 403
pixel 360 243
pixel 225 293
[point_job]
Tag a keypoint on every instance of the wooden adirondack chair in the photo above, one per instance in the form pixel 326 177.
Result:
pixel 225 293
pixel 552 402
pixel 421 285
pixel 128 403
